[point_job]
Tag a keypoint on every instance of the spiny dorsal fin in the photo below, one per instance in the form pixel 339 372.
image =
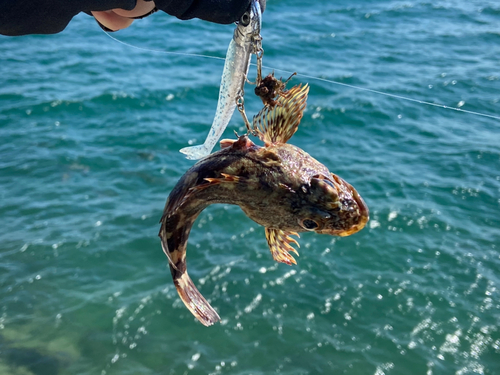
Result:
pixel 279 123
pixel 279 243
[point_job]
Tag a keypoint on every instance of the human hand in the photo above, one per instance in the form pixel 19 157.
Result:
pixel 217 11
pixel 117 19
pixel 24 17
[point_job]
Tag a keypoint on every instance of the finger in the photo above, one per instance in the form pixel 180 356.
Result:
pixel 111 20
pixel 142 8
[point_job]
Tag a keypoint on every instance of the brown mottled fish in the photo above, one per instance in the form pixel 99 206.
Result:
pixel 279 186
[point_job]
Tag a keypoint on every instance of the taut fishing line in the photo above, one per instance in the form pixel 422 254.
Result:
pixel 313 77
pixel 163 51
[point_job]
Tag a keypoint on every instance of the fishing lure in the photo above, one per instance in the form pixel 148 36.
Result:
pixel 246 41
pixel 279 186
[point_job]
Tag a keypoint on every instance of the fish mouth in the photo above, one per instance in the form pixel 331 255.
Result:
pixel 356 219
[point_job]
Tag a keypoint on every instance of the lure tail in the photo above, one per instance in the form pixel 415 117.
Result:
pixel 193 299
pixel 232 81
pixel 197 152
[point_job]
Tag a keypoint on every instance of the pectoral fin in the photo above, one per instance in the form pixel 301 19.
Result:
pixel 279 123
pixel 279 243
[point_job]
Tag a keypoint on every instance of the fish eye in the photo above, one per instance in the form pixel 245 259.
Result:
pixel 245 19
pixel 308 224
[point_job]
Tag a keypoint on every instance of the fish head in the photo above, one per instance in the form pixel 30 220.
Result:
pixel 331 206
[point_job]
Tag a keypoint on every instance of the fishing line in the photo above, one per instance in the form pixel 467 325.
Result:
pixel 388 94
pixel 313 77
pixel 163 51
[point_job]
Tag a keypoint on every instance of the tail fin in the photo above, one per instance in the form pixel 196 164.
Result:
pixel 194 301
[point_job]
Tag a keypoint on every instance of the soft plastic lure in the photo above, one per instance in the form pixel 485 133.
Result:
pixel 246 41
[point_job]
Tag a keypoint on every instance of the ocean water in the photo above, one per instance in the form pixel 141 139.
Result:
pixel 89 136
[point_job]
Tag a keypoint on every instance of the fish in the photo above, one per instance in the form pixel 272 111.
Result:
pixel 277 185
pixel 245 42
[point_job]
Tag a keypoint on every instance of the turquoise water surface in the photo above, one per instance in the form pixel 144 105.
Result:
pixel 90 131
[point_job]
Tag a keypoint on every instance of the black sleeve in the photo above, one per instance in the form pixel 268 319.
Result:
pixel 218 11
pixel 21 17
